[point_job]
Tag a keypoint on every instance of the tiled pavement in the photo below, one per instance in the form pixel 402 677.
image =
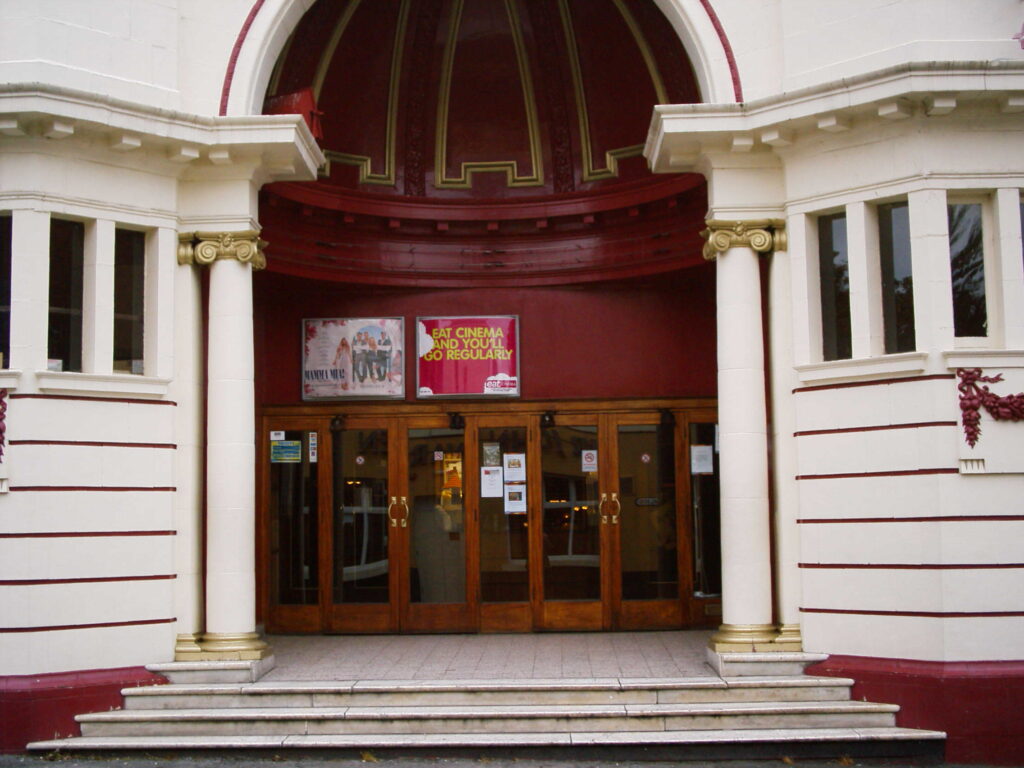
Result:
pixel 476 657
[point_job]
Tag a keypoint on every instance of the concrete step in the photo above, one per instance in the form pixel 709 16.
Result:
pixel 213 671
pixel 782 741
pixel 490 718
pixel 475 692
pixel 761 664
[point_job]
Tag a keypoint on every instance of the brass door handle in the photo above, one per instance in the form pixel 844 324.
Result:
pixel 391 506
pixel 404 504
pixel 618 508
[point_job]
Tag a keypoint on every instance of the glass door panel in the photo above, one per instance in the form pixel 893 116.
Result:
pixel 361 556
pixel 707 552
pixel 292 502
pixel 437 551
pixel 504 540
pixel 647 497
pixel 571 522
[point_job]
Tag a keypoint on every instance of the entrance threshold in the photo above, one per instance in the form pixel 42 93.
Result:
pixel 556 655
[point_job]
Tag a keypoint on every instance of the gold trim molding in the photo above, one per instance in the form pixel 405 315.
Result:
pixel 204 248
pixel 363 162
pixel 612 156
pixel 761 235
pixel 509 167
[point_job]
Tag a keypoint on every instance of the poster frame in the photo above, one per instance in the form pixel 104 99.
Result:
pixel 399 345
pixel 470 395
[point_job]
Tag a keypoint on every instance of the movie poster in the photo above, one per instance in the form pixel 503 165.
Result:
pixel 467 356
pixel 353 357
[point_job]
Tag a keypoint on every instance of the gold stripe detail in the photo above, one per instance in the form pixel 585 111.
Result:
pixel 509 167
pixel 645 51
pixel 611 157
pixel 328 55
pixel 366 174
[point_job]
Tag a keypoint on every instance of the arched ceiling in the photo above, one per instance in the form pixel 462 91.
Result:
pixel 455 127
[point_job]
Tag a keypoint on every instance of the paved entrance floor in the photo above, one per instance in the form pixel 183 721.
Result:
pixel 487 657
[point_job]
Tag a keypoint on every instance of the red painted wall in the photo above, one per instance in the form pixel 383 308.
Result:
pixel 977 704
pixel 652 337
pixel 43 707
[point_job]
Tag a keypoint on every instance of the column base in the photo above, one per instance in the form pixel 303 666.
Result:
pixel 245 646
pixel 186 647
pixel 745 638
pixel 789 638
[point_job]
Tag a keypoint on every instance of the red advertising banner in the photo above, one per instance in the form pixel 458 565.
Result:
pixel 467 356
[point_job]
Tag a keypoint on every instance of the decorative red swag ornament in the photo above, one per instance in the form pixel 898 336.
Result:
pixel 974 397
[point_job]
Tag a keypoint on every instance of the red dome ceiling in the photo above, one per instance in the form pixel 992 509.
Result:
pixel 456 127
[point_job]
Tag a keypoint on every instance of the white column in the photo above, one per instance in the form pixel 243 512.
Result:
pixel 30 291
pixel 786 497
pixel 230 465
pixel 187 392
pixel 98 297
pixel 1011 259
pixel 743 441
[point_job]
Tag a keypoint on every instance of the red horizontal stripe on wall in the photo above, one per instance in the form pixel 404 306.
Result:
pixel 875 382
pixel 60 627
pixel 843 430
pixel 929 519
pixel 138 400
pixel 92 488
pixel 919 614
pixel 912 566
pixel 93 443
pixel 83 580
pixel 888 473
pixel 81 534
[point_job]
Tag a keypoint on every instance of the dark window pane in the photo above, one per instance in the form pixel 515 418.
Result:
pixel 5 291
pixel 835 287
pixel 648 550
pixel 704 489
pixel 293 515
pixel 64 345
pixel 504 576
pixel 967 264
pixel 572 533
pixel 129 286
pixel 360 516
pixel 897 278
pixel 437 541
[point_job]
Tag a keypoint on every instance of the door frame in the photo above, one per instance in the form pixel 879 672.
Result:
pixel 691 610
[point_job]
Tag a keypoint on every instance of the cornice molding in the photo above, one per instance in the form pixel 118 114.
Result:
pixel 761 235
pixel 204 248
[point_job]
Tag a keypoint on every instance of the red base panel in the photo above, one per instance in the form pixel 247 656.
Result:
pixel 39 707
pixel 977 704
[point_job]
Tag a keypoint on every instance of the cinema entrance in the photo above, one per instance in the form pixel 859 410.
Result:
pixel 553 516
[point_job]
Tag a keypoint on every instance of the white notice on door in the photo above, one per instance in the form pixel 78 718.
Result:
pixel 491 482
pixel 702 460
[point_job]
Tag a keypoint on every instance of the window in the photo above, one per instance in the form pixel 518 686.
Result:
pixel 834 275
pixel 967 265
pixel 5 291
pixel 64 336
pixel 129 291
pixel 897 277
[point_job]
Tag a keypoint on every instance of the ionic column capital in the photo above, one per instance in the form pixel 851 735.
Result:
pixel 204 248
pixel 761 235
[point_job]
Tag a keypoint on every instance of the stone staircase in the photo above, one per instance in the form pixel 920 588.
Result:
pixel 758 704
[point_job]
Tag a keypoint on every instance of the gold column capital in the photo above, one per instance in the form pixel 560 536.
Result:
pixel 204 248
pixel 762 235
